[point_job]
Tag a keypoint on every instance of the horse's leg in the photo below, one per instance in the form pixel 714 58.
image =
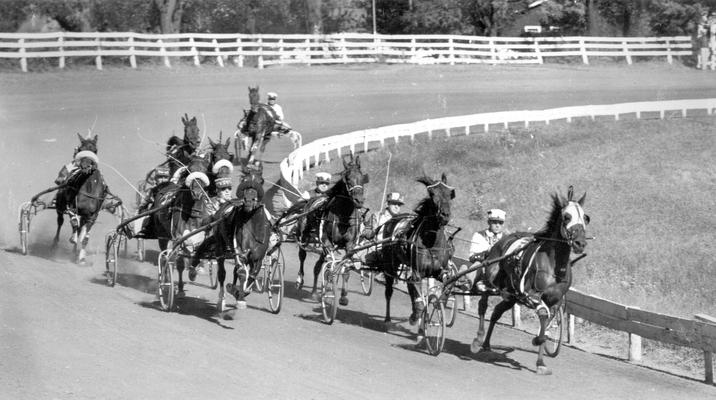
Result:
pixel 82 240
pixel 180 272
pixel 417 304
pixel 60 221
pixel 500 309
pixel 481 311
pixel 221 276
pixel 316 271
pixel 388 295
pixel 301 260
pixel 238 291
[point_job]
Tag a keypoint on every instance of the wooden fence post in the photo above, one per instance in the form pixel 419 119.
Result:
pixel 23 59
pixel 194 51
pixel 626 52
pixel 451 49
pixel 260 61
pixel 583 50
pixel 570 329
pixel 60 43
pixel 517 316
pixel 132 56
pixel 240 57
pixel 708 356
pixel 344 50
pixel 493 51
pixel 538 52
pixel 634 345
pixel 163 51
pixel 219 58
pixel 669 57
pixel 98 59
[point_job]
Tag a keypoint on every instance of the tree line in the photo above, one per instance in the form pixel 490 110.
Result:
pixel 466 17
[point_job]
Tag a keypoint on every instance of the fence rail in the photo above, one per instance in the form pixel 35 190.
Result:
pixel 332 49
pixel 699 333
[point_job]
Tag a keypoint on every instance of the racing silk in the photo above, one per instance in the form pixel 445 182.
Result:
pixel 482 241
pixel 278 111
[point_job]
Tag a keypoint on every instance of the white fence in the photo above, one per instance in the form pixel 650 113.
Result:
pixel 332 49
pixel 699 333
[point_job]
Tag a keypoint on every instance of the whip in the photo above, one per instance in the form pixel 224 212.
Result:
pixel 385 187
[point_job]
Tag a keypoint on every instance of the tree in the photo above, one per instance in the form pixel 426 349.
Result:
pixel 170 14
pixel 430 17
pixel 488 16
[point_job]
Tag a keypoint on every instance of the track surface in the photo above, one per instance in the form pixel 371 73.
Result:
pixel 65 335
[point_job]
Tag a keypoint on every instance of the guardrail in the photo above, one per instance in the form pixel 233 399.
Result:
pixel 699 333
pixel 332 49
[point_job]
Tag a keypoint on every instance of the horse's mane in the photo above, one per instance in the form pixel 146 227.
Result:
pixel 555 215
pixel 338 189
pixel 425 207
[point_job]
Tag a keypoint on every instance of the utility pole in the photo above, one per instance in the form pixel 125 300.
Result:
pixel 374 26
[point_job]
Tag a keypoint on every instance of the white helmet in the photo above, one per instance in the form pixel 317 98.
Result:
pixel 496 215
pixel 271 95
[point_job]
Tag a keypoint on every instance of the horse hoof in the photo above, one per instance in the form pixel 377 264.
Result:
pixel 419 339
pixel 180 294
pixel 475 346
pixel 316 296
pixel 343 301
pixel 73 239
pixel 543 370
pixel 241 304
pixel 538 340
pixel 192 274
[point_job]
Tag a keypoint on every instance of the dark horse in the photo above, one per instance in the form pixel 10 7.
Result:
pixel 179 150
pixel 257 124
pixel 537 271
pixel 221 162
pixel 81 197
pixel 419 242
pixel 243 232
pixel 333 220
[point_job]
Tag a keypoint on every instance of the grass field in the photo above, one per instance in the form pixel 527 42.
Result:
pixel 649 184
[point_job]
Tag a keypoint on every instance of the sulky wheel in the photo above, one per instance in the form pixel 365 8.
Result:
pixel 450 305
pixel 24 229
pixel 111 254
pixel 366 281
pixel 556 331
pixel 329 292
pixel 432 323
pixel 165 286
pixel 274 281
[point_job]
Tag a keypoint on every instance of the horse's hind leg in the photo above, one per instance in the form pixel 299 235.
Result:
pixel 316 271
pixel 82 240
pixel 221 277
pixel 417 303
pixel 540 340
pixel 500 309
pixel 60 221
pixel 388 295
pixel 481 311
pixel 180 271
pixel 301 260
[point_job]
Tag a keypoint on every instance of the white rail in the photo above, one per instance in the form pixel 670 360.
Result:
pixel 331 49
pixel 699 333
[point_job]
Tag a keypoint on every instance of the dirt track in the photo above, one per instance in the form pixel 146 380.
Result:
pixel 66 335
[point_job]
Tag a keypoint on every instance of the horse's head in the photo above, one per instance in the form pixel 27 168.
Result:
pixel 221 159
pixel 440 196
pixel 200 162
pixel 254 97
pixel 191 132
pixel 354 179
pixel 254 173
pixel 573 222
pixel 87 144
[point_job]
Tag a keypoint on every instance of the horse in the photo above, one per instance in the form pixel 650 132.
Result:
pixel 82 197
pixel 418 241
pixel 178 150
pixel 257 124
pixel 244 231
pixel 181 205
pixel 535 269
pixel 221 161
pixel 336 217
